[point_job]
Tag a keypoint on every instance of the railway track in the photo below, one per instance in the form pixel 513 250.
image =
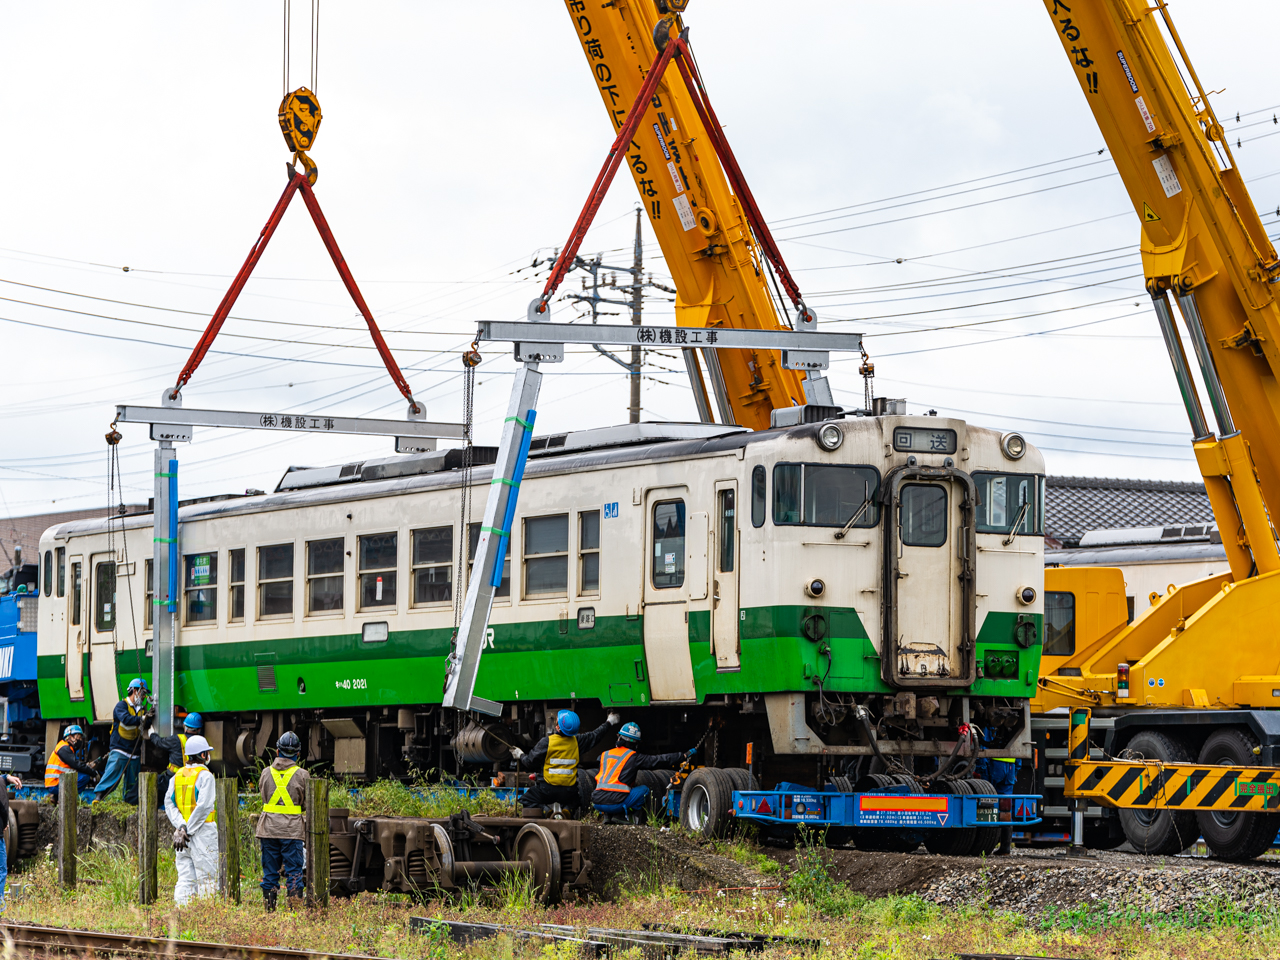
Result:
pixel 28 940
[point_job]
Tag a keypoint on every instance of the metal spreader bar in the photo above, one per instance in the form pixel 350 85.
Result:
pixel 175 423
pixel 805 348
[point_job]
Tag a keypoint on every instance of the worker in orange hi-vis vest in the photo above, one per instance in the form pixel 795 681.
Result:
pixel 616 794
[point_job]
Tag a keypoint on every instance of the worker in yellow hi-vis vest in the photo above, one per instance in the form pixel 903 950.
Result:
pixel 281 828
pixel 556 757
pixel 189 802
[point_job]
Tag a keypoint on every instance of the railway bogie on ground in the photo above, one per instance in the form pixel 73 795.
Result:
pixel 835 594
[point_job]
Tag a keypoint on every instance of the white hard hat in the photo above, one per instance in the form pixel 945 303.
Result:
pixel 197 745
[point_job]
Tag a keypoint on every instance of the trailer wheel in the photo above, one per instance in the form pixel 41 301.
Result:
pixel 11 848
pixel 987 839
pixel 1234 836
pixel 957 841
pixel 884 839
pixel 657 781
pixel 704 802
pixel 586 786
pixel 1159 832
pixel 740 778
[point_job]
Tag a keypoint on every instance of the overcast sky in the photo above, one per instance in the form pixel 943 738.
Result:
pixel 458 143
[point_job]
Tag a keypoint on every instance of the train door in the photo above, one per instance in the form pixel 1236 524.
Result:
pixel 102 614
pixel 76 632
pixel 666 596
pixel 929 578
pixel 724 603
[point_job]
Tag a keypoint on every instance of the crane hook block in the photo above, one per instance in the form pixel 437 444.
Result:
pixel 300 122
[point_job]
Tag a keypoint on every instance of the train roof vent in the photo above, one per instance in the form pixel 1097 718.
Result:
pixel 389 468
pixel 627 434
pixel 1193 533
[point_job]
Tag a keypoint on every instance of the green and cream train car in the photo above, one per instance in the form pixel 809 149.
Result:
pixel 833 594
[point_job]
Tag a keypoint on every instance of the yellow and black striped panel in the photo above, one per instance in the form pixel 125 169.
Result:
pixel 1184 786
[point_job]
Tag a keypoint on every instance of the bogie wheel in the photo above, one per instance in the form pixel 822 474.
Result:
pixel 740 778
pixel 536 844
pixel 955 841
pixel 1234 836
pixel 704 802
pixel 1158 832
pixel 987 839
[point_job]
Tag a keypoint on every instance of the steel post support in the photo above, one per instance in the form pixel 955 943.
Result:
pixel 495 535
pixel 164 569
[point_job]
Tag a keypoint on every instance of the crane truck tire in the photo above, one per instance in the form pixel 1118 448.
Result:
pixel 1158 832
pixel 704 802
pixel 1234 836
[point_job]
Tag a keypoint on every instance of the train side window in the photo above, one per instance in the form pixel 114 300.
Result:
pixel 728 527
pixel 104 597
pixel 589 552
pixel 432 565
pixel 378 559
pixel 275 581
pixel 326 564
pixel 77 594
pixel 148 612
pixel 1059 623
pixel 48 572
pixel 235 590
pixel 546 556
pixel 825 495
pixel 1010 503
pixel 757 496
pixel 923 520
pixel 668 544
pixel 473 544
pixel 62 571
pixel 201 587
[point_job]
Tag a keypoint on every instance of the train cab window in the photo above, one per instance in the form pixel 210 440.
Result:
pixel 326 564
pixel 1010 503
pixel 148 612
pixel 546 556
pixel 923 520
pixel 668 544
pixel 77 594
pixel 200 587
pixel 378 558
pixel 62 571
pixel 432 566
pixel 235 589
pixel 48 572
pixel 275 581
pixel 728 528
pixel 104 597
pixel 1059 623
pixel 589 552
pixel 757 496
pixel 473 544
pixel 825 495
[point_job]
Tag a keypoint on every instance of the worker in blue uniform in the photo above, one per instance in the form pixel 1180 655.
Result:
pixel 616 794
pixel 557 756
pixel 125 753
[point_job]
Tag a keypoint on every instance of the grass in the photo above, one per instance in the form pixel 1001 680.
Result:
pixel 420 798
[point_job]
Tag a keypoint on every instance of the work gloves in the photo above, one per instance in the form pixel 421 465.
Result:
pixel 516 753
pixel 181 838
pixel 614 719
pixel 691 753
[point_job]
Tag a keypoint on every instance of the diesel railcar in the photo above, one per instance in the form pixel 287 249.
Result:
pixel 823 597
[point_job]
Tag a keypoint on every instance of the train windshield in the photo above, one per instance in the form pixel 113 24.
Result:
pixel 1010 503
pixel 825 495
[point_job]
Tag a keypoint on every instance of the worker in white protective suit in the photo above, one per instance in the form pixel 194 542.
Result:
pixel 190 806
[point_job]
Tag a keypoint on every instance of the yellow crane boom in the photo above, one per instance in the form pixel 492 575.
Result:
pixel 700 224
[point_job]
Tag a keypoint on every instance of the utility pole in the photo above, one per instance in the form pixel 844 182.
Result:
pixel 636 303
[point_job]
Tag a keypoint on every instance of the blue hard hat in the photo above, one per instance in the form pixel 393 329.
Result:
pixel 136 683
pixel 568 722
pixel 630 732
pixel 193 721
pixel 73 728
pixel 288 744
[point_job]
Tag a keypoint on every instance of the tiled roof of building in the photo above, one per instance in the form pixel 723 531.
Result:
pixel 1076 505
pixel 25 532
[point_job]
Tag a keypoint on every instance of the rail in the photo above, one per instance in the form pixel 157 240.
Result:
pixel 22 938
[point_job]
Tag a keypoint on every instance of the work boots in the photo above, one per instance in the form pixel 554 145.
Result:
pixel 269 900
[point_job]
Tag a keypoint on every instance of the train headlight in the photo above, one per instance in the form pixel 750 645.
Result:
pixel 815 587
pixel 1013 445
pixel 830 437
pixel 1027 595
